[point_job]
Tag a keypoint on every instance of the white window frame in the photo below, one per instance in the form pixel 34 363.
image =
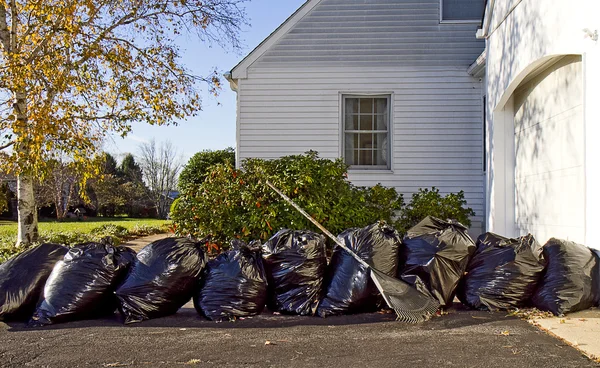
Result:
pixel 461 21
pixel 342 113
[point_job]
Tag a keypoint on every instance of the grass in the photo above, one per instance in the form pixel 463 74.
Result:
pixel 70 232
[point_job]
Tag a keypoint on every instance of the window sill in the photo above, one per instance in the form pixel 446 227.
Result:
pixel 366 170
pixel 460 21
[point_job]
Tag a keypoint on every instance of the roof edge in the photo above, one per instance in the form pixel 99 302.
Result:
pixel 477 69
pixel 240 70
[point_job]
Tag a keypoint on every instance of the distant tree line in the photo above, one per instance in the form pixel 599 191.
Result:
pixel 136 188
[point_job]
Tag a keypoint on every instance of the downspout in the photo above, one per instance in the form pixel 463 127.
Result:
pixel 234 85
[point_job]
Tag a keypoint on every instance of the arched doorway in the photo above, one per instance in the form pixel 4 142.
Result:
pixel 545 151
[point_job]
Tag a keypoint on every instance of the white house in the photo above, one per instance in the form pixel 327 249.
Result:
pixel 384 84
pixel 542 64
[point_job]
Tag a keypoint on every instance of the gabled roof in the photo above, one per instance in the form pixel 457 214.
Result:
pixel 240 70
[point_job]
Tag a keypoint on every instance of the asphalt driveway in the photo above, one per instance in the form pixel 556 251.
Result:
pixel 461 339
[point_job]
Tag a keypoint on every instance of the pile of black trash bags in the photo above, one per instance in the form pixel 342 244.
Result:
pixel 289 274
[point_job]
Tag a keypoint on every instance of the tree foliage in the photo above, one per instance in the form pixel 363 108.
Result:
pixel 72 71
pixel 59 187
pixel 120 189
pixel 197 168
pixel 232 203
pixel 429 202
pixel 81 68
pixel 4 197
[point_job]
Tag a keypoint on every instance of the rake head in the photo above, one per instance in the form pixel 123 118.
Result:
pixel 410 305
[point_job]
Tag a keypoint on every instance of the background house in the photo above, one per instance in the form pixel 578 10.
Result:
pixel 382 83
pixel 543 118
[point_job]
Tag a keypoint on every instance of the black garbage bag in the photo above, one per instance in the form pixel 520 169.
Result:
pixel 295 261
pixel 435 256
pixel 162 279
pixel 82 285
pixel 233 285
pixel 571 278
pixel 348 285
pixel 22 280
pixel 503 273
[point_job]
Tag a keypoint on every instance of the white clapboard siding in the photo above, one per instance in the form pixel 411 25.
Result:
pixel 437 137
pixel 289 98
pixel 375 33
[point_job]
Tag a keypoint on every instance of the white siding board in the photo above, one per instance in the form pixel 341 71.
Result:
pixel 377 32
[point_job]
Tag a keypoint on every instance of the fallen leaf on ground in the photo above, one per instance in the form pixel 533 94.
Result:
pixel 194 361
pixel 505 333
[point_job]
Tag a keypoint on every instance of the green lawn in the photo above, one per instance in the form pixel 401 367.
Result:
pixel 9 228
pixel 72 232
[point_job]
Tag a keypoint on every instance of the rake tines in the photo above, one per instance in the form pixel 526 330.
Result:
pixel 409 304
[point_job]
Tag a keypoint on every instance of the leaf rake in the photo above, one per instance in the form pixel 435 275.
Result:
pixel 410 305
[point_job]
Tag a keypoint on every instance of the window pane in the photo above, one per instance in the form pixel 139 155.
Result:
pixel 350 146
pixel 365 141
pixel 381 157
pixel 381 122
pixel 351 122
pixel 365 157
pixel 366 122
pixel 463 9
pixel 351 106
pixel 382 149
pixel 380 105
pixel 366 105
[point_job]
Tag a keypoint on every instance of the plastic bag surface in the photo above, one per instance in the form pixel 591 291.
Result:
pixel 503 273
pixel 22 280
pixel 163 278
pixel 234 285
pixel 435 255
pixel 82 285
pixel 295 261
pixel 349 288
pixel 571 278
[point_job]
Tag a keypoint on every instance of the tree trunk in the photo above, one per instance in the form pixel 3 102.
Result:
pixel 27 212
pixel 26 207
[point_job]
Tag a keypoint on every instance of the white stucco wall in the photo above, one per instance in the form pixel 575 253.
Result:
pixel 521 36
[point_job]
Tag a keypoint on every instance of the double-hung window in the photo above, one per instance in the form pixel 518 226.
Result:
pixel 366 131
pixel 461 11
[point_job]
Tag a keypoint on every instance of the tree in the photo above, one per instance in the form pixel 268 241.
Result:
pixel 4 197
pixel 160 168
pixel 73 70
pixel 59 186
pixel 195 171
pixel 130 169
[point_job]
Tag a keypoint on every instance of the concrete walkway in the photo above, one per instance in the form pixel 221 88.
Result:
pixel 139 243
pixel 580 330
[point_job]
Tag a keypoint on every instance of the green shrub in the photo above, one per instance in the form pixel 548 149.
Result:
pixel 430 203
pixel 234 203
pixel 68 238
pixel 195 171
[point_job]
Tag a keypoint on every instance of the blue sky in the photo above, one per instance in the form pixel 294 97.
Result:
pixel 214 126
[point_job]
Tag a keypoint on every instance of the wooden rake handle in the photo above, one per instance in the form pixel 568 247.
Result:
pixel 317 224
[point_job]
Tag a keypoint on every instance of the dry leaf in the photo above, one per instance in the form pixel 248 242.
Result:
pixel 505 333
